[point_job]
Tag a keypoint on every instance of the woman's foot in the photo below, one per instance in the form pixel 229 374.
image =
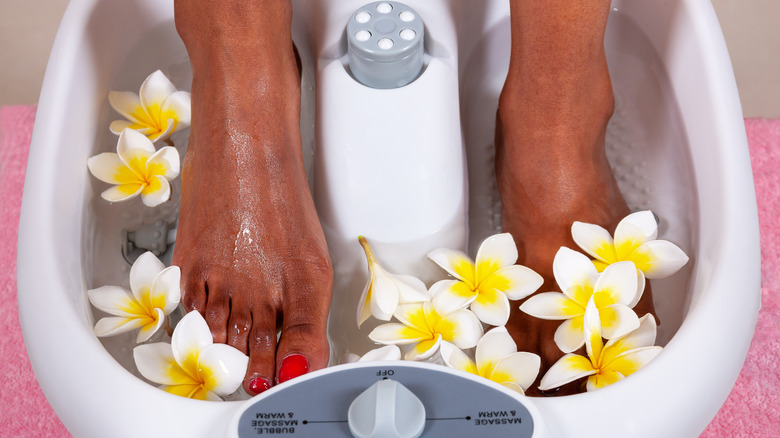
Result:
pixel 551 164
pixel 252 252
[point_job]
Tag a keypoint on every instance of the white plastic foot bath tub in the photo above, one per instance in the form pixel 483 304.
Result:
pixel 677 145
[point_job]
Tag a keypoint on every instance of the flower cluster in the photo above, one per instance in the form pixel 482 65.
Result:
pixel 596 304
pixel 191 365
pixel 598 299
pixel 137 168
pixel 448 318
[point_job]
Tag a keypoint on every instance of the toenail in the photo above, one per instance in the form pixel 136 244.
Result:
pixel 293 366
pixel 259 385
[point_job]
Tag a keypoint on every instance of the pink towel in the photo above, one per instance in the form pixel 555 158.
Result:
pixel 752 409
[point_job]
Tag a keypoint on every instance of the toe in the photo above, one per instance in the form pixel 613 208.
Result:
pixel 217 310
pixel 261 343
pixel 304 339
pixel 239 326
pixel 193 291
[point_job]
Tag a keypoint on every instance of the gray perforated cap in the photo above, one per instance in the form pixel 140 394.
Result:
pixel 385 44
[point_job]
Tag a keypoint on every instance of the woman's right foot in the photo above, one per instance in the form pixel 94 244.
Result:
pixel 252 252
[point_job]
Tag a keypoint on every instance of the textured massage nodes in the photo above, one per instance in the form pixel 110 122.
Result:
pixel 385 44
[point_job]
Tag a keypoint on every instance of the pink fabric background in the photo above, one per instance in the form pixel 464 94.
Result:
pixel 752 409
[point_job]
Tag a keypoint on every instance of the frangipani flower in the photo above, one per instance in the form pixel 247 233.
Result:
pixel 192 365
pixel 157 112
pixel 385 291
pixel 486 285
pixel 497 359
pixel 422 326
pixel 136 169
pixel 605 364
pixel 154 292
pixel 614 292
pixel 635 240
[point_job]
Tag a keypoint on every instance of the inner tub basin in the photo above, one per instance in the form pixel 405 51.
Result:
pixel 676 142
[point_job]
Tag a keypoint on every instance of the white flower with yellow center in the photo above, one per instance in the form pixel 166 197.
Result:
pixel 154 293
pixel 497 359
pixel 136 169
pixel 385 291
pixel 635 241
pixel 614 292
pixel 605 364
pixel 156 112
pixel 487 285
pixel 422 326
pixel 192 365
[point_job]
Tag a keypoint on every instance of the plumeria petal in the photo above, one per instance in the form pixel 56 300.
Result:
pixel 592 330
pixel 108 167
pixel 388 352
pixel 602 379
pixel 156 192
pixel 517 370
pixel 180 104
pixel 491 307
pixel 572 268
pixel 411 289
pixel 640 226
pixel 499 250
pixel 166 288
pixel 552 305
pixel 617 284
pixel 518 281
pixel 115 300
pixel 131 144
pixel 631 361
pixel 194 391
pixel 642 337
pixel 222 368
pixel 164 162
pixel 155 89
pixel 396 334
pixel 152 326
pixel 414 315
pixel 495 345
pixel 458 264
pixel 617 320
pixel 461 327
pixel 659 258
pixel 142 275
pixel 165 130
pixel 126 103
pixel 569 336
pixel 191 336
pixel 640 288
pixel 156 363
pixel 451 295
pixel 116 325
pixel 384 294
pixel 567 369
pixel 122 193
pixel 424 349
pixel 594 240
pixel 454 357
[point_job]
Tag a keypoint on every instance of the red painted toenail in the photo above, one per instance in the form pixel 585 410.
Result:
pixel 293 366
pixel 259 385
